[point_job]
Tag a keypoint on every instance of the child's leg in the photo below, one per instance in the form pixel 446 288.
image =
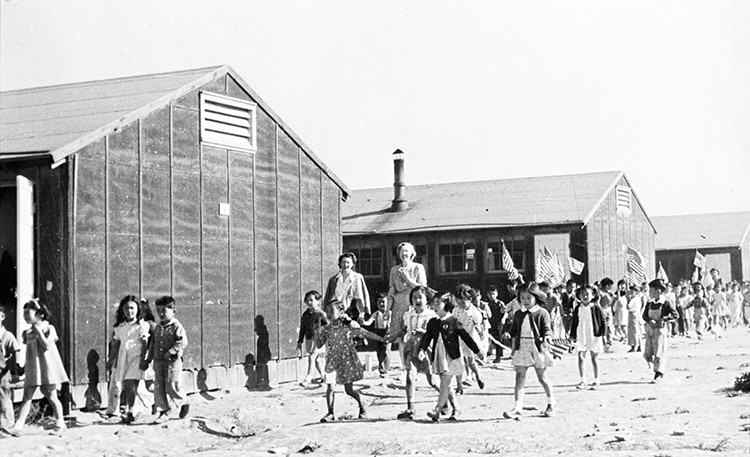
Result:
pixel 445 391
pixel 130 387
pixel 472 365
pixel 410 388
pixel 541 375
pixel 349 389
pixel 330 397
pixel 28 395
pixel 320 364
pixel 595 366
pixel 113 397
pixel 175 390
pixel 519 388
pixel 581 358
pixel 50 393
pixel 7 416
pixel 160 386
pixel 310 365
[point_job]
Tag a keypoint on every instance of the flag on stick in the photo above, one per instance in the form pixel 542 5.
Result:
pixel 699 260
pixel 635 270
pixel 559 270
pixel 546 268
pixel 508 263
pixel 661 274
pixel 696 276
pixel 706 279
pixel 575 266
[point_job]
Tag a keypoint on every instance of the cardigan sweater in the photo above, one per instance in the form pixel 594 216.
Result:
pixel 540 326
pixel 668 313
pixel 451 330
pixel 597 318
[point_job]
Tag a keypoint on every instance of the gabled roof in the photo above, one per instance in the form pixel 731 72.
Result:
pixel 545 200
pixel 59 120
pixel 698 231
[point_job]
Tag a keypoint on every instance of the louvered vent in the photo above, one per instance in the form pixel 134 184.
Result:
pixel 227 122
pixel 623 196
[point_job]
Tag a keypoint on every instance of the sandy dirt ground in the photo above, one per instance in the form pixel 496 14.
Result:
pixel 691 413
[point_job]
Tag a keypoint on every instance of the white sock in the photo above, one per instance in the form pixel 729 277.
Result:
pixel 596 380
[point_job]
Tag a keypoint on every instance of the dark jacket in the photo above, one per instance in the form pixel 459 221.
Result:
pixel 451 329
pixel 668 313
pixel 310 323
pixel 540 326
pixel 597 318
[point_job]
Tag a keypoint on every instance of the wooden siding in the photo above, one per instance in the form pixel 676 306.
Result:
pixel 607 232
pixel 745 259
pixel 147 223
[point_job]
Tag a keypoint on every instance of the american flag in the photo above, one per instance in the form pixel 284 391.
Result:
pixel 696 276
pixel 559 270
pixel 699 260
pixel 706 279
pixel 635 271
pixel 661 274
pixel 546 268
pixel 575 266
pixel 508 263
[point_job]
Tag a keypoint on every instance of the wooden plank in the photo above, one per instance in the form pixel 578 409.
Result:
pixel 123 263
pixel 310 226
pixel 234 90
pixel 266 253
pixel 242 332
pixel 215 333
pixel 214 192
pixel 155 138
pixel 187 284
pixel 89 320
pixel 123 145
pixel 330 226
pixel 214 162
pixel 157 271
pixel 90 199
pixel 215 260
pixel 241 165
pixel 123 200
pixel 289 245
pixel 185 141
pixel 241 205
pixel 186 206
pixel 155 207
pixel 217 86
pixel 241 275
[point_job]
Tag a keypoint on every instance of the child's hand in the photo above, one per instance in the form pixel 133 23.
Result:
pixel 144 365
pixel 169 357
pixel 421 355
pixel 299 346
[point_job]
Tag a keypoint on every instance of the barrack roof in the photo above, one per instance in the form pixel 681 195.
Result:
pixel 698 231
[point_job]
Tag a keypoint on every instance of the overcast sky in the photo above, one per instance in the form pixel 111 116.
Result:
pixel 469 90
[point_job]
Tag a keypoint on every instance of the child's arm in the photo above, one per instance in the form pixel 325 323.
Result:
pixel 464 335
pixel 302 328
pixel 321 337
pixel 370 335
pixel 179 345
pixel 44 340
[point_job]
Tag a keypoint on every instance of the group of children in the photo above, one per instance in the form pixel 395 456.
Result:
pixel 139 345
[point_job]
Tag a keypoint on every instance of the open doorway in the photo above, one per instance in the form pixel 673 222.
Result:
pixel 8 222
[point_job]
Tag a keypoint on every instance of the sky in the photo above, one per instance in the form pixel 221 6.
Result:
pixel 469 90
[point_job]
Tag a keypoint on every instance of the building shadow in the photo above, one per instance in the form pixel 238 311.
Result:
pixel 92 395
pixel 262 357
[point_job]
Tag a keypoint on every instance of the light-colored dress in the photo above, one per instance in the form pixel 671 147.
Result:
pixel 342 362
pixel 619 317
pixel 131 335
pixel 399 290
pixel 585 339
pixel 635 310
pixel 471 318
pixel 43 367
pixel 527 355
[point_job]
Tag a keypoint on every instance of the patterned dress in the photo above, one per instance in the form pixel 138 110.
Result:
pixel 400 290
pixel 43 367
pixel 342 361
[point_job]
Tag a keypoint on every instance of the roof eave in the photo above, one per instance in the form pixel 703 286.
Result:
pixel 445 228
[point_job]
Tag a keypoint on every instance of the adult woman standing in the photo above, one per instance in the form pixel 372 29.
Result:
pixel 402 279
pixel 348 287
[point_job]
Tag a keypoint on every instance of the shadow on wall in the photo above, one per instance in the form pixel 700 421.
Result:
pixel 92 394
pixel 256 368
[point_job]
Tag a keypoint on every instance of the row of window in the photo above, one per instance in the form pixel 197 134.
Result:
pixel 454 255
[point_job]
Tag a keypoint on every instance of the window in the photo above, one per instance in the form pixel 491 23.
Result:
pixel 227 122
pixel 421 256
pixel 516 248
pixel 369 259
pixel 457 255
pixel 623 197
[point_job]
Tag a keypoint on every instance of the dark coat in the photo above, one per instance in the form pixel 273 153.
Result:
pixel 452 330
pixel 596 316
pixel 668 313
pixel 540 326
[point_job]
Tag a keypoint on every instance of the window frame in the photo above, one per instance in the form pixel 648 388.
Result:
pixel 213 138
pixel 510 245
pixel 453 240
pixel 357 249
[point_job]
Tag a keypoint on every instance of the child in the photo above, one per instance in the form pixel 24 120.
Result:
pixel 471 319
pixel 619 316
pixel 635 310
pixel 444 332
pixel 145 391
pixel 719 310
pixel 8 349
pixel 606 300
pixel 734 303
pixel 44 368
pixel 657 315
pixel 379 325
pixel 310 322
pixel 530 331
pixel 700 308
pixel 415 326
pixel 497 319
pixel 128 352
pixel 587 328
pixel 342 362
pixel 170 340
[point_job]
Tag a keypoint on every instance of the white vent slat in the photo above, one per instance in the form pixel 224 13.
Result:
pixel 226 111
pixel 227 122
pixel 220 127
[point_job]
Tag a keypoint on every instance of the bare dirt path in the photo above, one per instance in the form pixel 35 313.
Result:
pixel 690 413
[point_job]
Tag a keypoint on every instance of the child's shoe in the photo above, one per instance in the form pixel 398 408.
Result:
pixel 58 428
pixel 594 386
pixel 363 415
pixel 550 411
pixel 12 431
pixel 434 415
pixel 582 386
pixel 444 410
pixel 480 383
pixel 455 415
pixel 184 410
pixel 328 418
pixel 512 414
pixel 406 415
pixel 162 418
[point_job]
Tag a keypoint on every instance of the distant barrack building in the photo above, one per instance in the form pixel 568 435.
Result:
pixel 457 227
pixel 184 183
pixel 723 238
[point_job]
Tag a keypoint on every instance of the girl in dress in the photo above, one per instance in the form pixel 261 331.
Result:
pixel 402 279
pixel 128 352
pixel 444 333
pixel 635 309
pixel 700 308
pixel 619 310
pixel 531 333
pixel 44 368
pixel 719 310
pixel 472 320
pixel 587 329
pixel 342 362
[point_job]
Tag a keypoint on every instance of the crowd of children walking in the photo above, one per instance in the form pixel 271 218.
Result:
pixel 448 334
